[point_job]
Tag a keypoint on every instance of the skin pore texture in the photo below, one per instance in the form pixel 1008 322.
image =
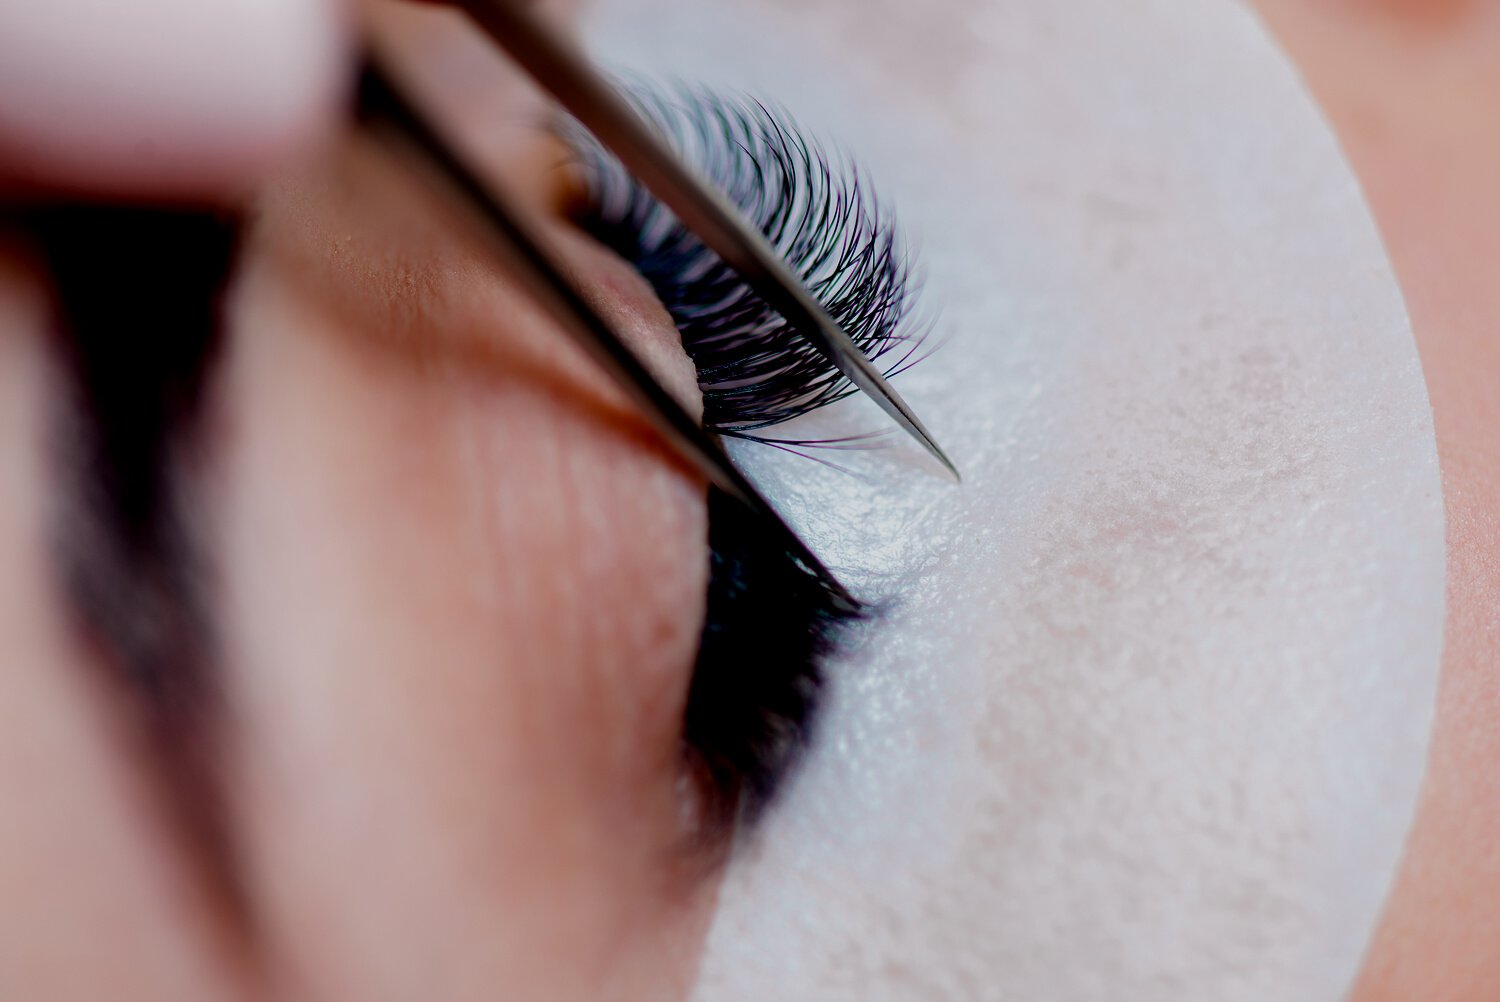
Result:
pixel 1413 89
pixel 1147 713
pixel 457 589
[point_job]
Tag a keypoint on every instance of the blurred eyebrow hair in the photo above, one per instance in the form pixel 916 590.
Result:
pixel 138 300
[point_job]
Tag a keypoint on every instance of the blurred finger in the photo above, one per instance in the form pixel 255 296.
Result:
pixel 180 98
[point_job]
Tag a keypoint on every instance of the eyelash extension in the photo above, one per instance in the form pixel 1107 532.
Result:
pixel 755 371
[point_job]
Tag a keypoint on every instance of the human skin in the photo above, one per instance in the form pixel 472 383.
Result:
pixel 457 586
pixel 1413 90
pixel 379 773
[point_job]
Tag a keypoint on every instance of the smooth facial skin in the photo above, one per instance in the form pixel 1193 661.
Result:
pixel 1413 89
pixel 457 588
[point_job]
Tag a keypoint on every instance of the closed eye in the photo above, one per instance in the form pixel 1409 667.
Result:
pixel 772 622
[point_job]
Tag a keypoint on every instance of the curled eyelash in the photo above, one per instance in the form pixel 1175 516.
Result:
pixel 754 370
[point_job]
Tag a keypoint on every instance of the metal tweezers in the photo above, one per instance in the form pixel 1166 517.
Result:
pixel 581 90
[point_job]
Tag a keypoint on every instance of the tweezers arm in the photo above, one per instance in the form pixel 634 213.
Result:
pixel 383 108
pixel 381 105
pixel 599 107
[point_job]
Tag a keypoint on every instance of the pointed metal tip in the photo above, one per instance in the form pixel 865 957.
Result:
pixel 935 450
pixel 864 375
pixel 942 457
pixel 891 401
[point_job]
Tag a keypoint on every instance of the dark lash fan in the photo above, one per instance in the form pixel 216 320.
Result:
pixel 753 368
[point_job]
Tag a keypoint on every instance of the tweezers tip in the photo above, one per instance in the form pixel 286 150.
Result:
pixel 899 409
pixel 864 374
pixel 942 457
pixel 958 477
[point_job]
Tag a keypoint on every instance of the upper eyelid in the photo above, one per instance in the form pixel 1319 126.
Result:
pixel 816 208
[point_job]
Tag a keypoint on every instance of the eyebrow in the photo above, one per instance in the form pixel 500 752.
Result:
pixel 138 302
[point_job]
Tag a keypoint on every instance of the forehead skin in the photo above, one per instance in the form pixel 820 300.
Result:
pixel 464 589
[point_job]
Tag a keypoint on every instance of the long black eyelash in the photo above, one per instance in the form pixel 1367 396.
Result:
pixel 754 370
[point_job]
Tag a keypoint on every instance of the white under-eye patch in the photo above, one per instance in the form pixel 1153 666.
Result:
pixel 1148 717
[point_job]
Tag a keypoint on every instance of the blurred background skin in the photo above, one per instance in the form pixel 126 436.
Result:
pixel 1412 87
pixel 444 728
pixel 171 99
